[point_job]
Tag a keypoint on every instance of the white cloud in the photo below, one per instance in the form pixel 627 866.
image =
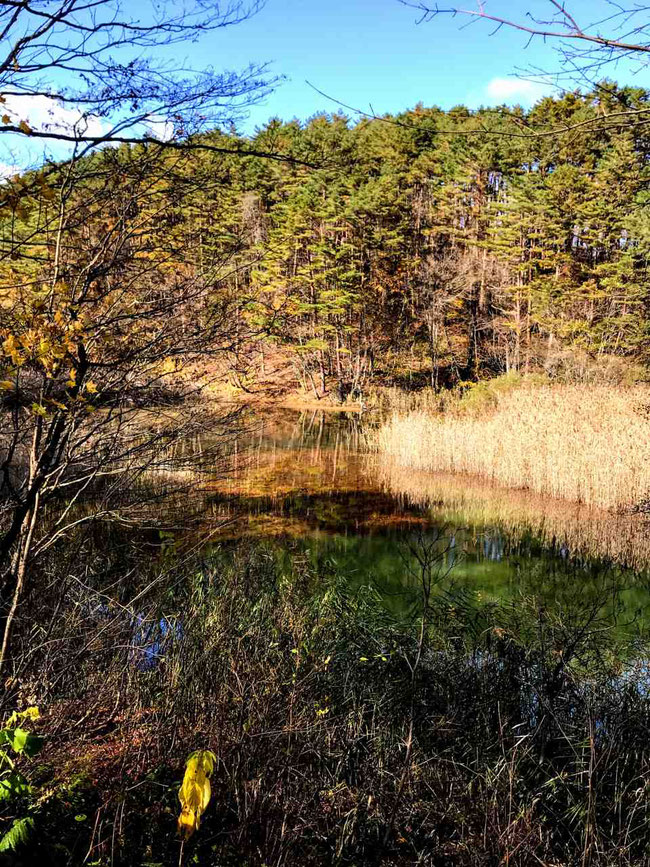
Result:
pixel 515 89
pixel 8 170
pixel 45 114
pixel 159 128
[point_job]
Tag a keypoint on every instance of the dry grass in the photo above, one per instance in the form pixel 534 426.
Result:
pixel 308 692
pixel 586 444
pixel 385 399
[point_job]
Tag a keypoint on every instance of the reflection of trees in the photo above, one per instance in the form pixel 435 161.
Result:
pixel 569 528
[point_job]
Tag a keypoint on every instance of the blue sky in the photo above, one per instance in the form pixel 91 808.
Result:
pixel 371 54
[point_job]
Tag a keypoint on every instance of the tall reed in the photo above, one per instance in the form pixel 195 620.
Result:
pixel 589 445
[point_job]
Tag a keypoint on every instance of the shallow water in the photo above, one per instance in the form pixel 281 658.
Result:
pixel 307 484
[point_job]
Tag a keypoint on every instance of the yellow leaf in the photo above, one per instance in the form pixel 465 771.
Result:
pixel 6 385
pixel 91 388
pixel 6 119
pixel 25 127
pixel 10 344
pixel 194 794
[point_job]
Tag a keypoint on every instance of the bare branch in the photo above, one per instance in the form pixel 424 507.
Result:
pixel 562 27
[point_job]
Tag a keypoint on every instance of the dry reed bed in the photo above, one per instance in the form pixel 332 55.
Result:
pixel 590 445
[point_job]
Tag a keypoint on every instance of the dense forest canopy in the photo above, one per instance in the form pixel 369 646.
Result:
pixel 478 239
pixel 465 240
pixel 443 243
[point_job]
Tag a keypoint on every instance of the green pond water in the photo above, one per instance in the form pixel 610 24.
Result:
pixel 306 484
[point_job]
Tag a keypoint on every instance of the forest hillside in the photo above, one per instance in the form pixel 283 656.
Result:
pixel 429 247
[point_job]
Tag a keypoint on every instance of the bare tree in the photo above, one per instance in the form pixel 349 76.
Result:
pixel 612 33
pixel 100 73
pixel 106 289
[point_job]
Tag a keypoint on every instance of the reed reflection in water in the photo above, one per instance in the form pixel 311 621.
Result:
pixel 570 529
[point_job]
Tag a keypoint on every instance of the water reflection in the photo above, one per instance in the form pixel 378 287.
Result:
pixel 570 530
pixel 307 481
pixel 152 639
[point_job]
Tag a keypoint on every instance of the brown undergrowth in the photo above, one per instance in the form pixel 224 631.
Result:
pixel 464 735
